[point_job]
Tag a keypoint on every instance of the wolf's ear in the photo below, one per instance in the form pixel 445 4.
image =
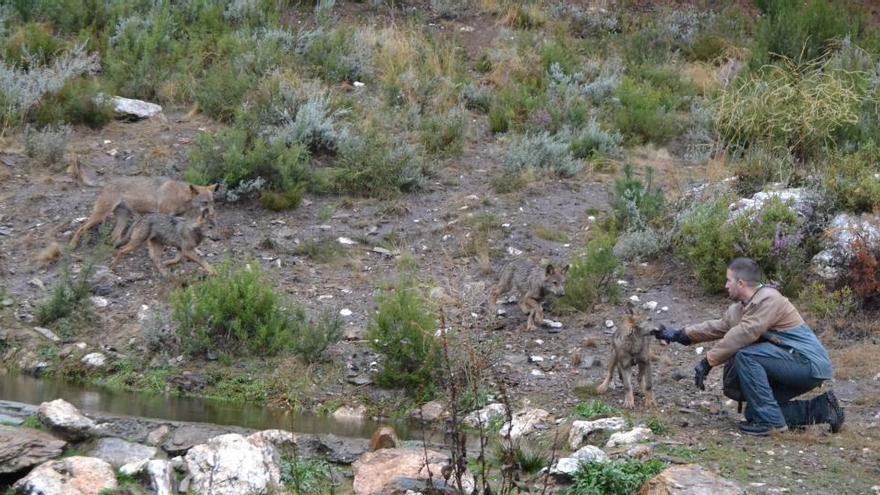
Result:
pixel 194 190
pixel 212 187
pixel 550 270
pixel 565 269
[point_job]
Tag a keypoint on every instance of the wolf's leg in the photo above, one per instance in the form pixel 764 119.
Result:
pixel 175 260
pixel 122 216
pixel 99 213
pixel 531 308
pixel 647 383
pixel 155 249
pixel 132 245
pixel 204 264
pixel 629 401
pixel 504 284
pixel 603 387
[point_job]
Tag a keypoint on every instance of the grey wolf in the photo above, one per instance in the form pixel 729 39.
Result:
pixel 631 346
pixel 159 230
pixel 532 284
pixel 123 195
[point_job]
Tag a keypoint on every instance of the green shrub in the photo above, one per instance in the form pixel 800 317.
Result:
pixel 636 203
pixel 656 426
pixel 443 134
pixel 70 295
pixel 707 47
pixel 803 31
pixel 320 251
pixel 850 182
pixel 592 275
pixel 706 243
pixel 759 166
pixel 306 475
pixel 595 409
pixel 592 141
pixel 509 181
pixel 646 114
pixel 32 43
pixel 221 91
pixel 640 244
pixel 541 151
pixel 402 330
pixel 372 164
pixel 142 54
pixel 477 98
pixel 788 106
pixel 80 101
pixel 337 54
pixel 614 477
pixel 285 200
pixel 239 313
pixel 828 305
pixel 771 235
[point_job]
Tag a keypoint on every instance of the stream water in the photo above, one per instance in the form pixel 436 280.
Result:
pixel 21 388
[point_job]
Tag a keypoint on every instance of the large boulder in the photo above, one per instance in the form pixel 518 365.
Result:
pixel 24 448
pixel 580 430
pixel 833 261
pixel 523 423
pixel 69 476
pixel 690 479
pixel 66 420
pixel 801 201
pixel 232 464
pixel 119 452
pixel 390 471
pixel 186 437
pixel 567 466
pixel 161 476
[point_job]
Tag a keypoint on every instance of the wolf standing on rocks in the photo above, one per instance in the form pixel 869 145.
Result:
pixel 774 356
pixel 533 284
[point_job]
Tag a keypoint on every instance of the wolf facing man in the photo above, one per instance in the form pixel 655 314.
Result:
pixel 771 356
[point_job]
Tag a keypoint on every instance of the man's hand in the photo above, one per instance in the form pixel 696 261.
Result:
pixel 701 370
pixel 668 335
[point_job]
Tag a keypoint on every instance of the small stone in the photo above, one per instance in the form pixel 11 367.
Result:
pixel 536 359
pixel 634 298
pixel 99 302
pixel 609 324
pixel 346 241
pixel 622 282
pixel 37 283
pixel 514 251
pixel 358 84
pixel 94 359
pixel 113 152
pixel 664 309
pixel 650 305
pixel 539 341
pixel 699 350
pixel 7 302
pixel 552 323
pixel 45 332
pixel 345 312
pixel 537 373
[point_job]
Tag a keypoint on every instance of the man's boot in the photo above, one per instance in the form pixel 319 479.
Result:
pixel 826 409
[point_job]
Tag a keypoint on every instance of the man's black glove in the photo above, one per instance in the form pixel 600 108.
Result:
pixel 671 335
pixel 701 370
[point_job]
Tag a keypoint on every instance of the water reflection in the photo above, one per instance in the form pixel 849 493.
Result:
pixel 30 390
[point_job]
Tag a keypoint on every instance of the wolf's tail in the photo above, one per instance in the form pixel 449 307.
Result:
pixel 83 175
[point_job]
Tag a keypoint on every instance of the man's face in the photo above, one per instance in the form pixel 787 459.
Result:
pixel 734 286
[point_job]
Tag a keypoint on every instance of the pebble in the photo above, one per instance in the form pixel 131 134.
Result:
pixel 609 324
pixel 634 298
pixel 345 312
pixel 699 350
pixel 346 241
pixel 514 251
pixel 650 305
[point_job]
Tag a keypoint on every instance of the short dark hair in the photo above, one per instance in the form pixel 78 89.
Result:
pixel 747 270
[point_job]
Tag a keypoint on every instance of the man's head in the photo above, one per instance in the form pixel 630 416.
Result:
pixel 743 275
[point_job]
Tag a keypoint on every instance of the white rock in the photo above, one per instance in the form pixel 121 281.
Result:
pixel 69 476
pixel 580 430
pixel 636 435
pixel 358 84
pixel 161 476
pixel 537 373
pixel 345 312
pixel 699 350
pixel 514 251
pixel 524 422
pixel 99 302
pixel 45 332
pixel 634 298
pixel 590 454
pixel 567 466
pixel 833 262
pixel 485 415
pixel 539 341
pixel 137 108
pixel 345 240
pixel 134 468
pixel 118 452
pixel 650 305
pixel 536 359
pixel 60 416
pixel 94 359
pixel 622 282
pixel 664 309
pixel 552 323
pixel 357 412
pixel 231 464
pixel 609 324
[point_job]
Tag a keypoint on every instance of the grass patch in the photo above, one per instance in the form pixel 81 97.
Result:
pixel 306 475
pixel 70 297
pixel 595 409
pixel 320 251
pixel 613 478
pixel 551 234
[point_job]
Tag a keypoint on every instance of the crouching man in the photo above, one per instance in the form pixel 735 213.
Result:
pixel 771 356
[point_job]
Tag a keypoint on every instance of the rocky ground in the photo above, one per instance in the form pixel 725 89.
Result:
pixel 437 227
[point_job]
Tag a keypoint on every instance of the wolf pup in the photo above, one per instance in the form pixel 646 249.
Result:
pixel 124 195
pixel 631 345
pixel 533 284
pixel 160 230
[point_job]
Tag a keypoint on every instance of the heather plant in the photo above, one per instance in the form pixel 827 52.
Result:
pixel 541 151
pixel 46 146
pixel 850 182
pixel 636 203
pixel 443 134
pixel 593 141
pixel 592 274
pixel 80 101
pixel 646 113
